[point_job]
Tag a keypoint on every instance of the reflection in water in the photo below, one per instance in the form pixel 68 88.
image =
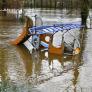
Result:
pixel 40 68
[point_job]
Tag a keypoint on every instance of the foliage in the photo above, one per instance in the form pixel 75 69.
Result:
pixel 44 3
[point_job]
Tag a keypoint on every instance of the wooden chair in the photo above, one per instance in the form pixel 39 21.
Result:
pixel 55 50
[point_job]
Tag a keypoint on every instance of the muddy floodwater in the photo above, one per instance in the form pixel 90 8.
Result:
pixel 21 71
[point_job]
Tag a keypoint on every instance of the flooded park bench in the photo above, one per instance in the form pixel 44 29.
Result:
pixel 43 37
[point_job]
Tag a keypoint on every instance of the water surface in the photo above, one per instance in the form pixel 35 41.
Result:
pixel 22 72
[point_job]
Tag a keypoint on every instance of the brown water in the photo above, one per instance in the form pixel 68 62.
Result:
pixel 22 72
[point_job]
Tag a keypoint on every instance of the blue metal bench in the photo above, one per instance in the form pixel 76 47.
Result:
pixel 53 28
